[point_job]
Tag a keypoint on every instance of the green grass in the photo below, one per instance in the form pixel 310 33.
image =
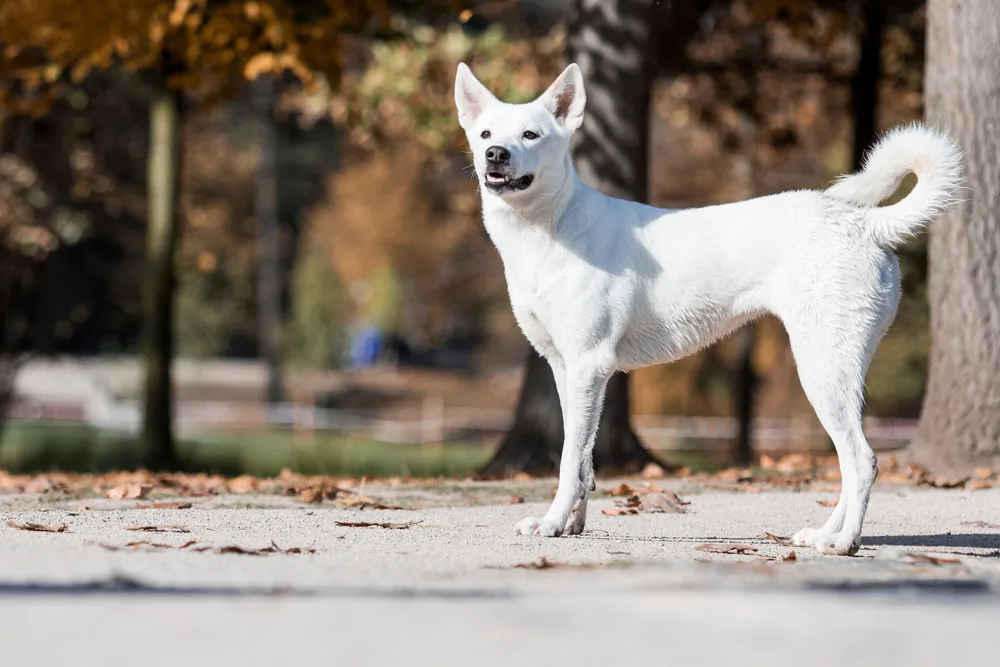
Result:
pixel 28 447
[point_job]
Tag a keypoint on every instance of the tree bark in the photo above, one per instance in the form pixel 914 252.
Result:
pixel 960 423
pixel 268 238
pixel 610 40
pixel 158 278
pixel 864 84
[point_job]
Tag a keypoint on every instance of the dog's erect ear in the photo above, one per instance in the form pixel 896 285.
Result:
pixel 471 97
pixel 566 98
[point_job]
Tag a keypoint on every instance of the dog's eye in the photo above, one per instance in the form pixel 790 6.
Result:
pixel 529 135
pixel 486 134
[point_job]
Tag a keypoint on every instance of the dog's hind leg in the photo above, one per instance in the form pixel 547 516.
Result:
pixel 583 397
pixel 832 357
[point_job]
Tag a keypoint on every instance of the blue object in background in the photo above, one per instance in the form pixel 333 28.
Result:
pixel 366 347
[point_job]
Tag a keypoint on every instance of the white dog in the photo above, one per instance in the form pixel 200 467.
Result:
pixel 599 284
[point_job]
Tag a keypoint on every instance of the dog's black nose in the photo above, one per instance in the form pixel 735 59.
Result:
pixel 497 154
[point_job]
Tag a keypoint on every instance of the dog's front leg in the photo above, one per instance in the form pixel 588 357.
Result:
pixel 583 397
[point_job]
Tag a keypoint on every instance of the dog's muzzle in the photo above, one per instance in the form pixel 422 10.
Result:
pixel 499 174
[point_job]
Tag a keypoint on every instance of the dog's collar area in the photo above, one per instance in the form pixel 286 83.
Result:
pixel 499 182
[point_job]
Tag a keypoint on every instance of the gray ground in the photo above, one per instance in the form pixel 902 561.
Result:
pixel 447 590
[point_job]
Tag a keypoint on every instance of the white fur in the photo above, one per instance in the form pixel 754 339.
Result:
pixel 599 284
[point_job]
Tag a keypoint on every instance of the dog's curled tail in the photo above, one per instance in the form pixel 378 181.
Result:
pixel 930 154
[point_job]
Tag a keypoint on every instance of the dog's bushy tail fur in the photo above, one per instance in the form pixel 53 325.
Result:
pixel 930 154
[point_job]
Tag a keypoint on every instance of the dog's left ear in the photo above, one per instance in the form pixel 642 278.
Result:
pixel 566 98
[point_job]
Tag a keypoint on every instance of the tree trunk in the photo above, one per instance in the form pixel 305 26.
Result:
pixel 158 278
pixel 960 423
pixel 611 41
pixel 864 85
pixel 268 238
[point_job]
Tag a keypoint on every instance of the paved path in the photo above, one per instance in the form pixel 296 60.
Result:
pixel 447 590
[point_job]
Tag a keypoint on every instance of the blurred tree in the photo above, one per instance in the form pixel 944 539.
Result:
pixel 960 423
pixel 612 41
pixel 204 48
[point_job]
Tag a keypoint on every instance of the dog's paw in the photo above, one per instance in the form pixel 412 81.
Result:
pixel 577 522
pixel 541 527
pixel 843 543
pixel 807 537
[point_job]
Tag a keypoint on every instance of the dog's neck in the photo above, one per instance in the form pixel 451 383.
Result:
pixel 541 207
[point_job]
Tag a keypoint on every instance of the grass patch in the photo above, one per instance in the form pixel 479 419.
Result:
pixel 32 448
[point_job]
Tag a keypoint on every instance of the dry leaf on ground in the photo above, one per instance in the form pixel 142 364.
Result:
pixel 361 502
pixel 623 490
pixel 943 482
pixel 242 484
pixel 169 505
pixel 653 471
pixel 734 475
pixel 174 528
pixel 982 524
pixel 374 524
pixel 129 492
pixel 135 546
pixel 516 500
pixel 738 549
pixel 544 563
pixel 828 503
pixel 983 473
pixel 662 502
pixel 790 557
pixel 620 511
pixel 39 528
pixel 783 541
pixel 933 560
pixel 980 484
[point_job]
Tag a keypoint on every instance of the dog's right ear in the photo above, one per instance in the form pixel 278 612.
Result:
pixel 471 97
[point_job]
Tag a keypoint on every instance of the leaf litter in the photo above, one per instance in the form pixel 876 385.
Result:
pixel 39 528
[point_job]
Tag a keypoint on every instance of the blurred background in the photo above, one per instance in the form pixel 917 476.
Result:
pixel 243 236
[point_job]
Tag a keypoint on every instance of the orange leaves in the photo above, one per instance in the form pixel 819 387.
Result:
pixel 209 46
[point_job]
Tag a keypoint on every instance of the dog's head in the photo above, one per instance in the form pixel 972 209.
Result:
pixel 518 148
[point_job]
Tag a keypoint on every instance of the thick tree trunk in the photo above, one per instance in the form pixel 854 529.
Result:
pixel 268 238
pixel 158 278
pixel 864 85
pixel 960 423
pixel 611 41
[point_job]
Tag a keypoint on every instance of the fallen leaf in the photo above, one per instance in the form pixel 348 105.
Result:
pixel 790 557
pixel 828 503
pixel 371 524
pixel 544 563
pixel 522 477
pixel 82 508
pixel 653 471
pixel 129 492
pixel 621 491
pixel 170 505
pixel 933 560
pixel 983 473
pixel 242 484
pixel 767 462
pixel 794 463
pixel 159 529
pixel 134 546
pixel 40 485
pixel 39 528
pixel 516 500
pixel 982 524
pixel 944 482
pixel 620 511
pixel 747 487
pixel 312 494
pixel 783 541
pixel 980 484
pixel 738 549
pixel 734 475
pixel 361 502
pixel 662 502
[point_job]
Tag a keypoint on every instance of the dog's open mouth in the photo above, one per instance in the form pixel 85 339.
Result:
pixel 498 182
